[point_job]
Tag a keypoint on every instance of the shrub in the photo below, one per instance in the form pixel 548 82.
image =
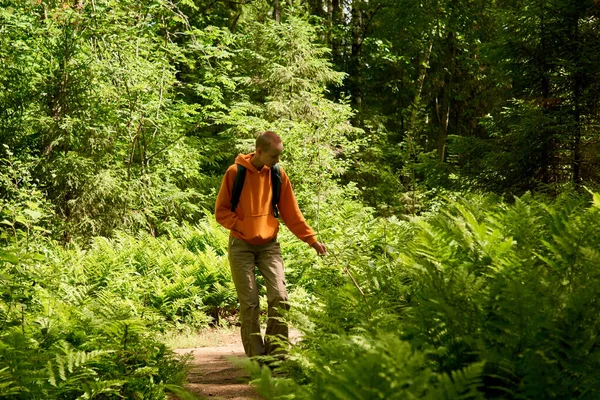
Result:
pixel 483 299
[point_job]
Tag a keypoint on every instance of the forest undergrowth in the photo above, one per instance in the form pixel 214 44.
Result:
pixel 478 299
pixel 439 149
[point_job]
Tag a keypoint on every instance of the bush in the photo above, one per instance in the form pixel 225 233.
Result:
pixel 475 301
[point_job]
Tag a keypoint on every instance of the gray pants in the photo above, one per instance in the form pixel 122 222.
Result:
pixel 243 257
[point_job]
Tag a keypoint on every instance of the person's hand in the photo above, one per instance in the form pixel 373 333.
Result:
pixel 319 248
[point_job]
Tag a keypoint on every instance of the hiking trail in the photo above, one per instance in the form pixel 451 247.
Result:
pixel 213 375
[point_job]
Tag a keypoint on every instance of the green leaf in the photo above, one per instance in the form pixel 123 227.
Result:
pixel 34 214
pixel 595 198
pixel 51 377
pixel 11 258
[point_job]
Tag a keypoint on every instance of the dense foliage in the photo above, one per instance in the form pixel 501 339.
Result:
pixel 86 323
pixel 442 149
pixel 479 300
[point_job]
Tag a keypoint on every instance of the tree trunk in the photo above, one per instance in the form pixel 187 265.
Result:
pixel 316 8
pixel 578 85
pixel 276 10
pixel 443 107
pixel 58 100
pixel 354 69
pixel 417 99
pixel 549 165
pixel 336 20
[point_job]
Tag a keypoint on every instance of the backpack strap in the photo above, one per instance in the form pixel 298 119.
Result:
pixel 238 184
pixel 276 186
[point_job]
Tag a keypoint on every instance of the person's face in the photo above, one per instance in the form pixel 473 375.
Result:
pixel 270 156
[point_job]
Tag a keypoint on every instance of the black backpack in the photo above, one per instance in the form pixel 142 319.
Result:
pixel 238 184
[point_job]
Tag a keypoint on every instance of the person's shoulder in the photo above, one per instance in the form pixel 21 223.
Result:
pixel 232 168
pixel 231 172
pixel 282 173
pixel 280 168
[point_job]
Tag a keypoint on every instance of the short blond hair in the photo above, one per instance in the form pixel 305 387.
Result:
pixel 266 139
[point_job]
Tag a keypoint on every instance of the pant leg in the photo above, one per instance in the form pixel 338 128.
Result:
pixel 242 260
pixel 270 265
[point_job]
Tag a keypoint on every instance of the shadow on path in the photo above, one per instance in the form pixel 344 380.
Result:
pixel 214 376
pixel 214 373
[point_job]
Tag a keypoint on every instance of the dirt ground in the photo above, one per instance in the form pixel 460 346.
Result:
pixel 214 376
pixel 214 373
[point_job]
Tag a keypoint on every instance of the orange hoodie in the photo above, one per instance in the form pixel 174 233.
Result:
pixel 253 220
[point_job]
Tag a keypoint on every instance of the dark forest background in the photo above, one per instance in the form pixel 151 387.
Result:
pixel 447 151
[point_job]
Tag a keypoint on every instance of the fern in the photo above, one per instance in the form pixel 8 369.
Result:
pixel 496 302
pixel 71 365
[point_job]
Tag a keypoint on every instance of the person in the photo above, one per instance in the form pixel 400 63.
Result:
pixel 253 241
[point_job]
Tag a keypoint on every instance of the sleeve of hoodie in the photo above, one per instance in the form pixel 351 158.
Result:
pixel 223 212
pixel 290 213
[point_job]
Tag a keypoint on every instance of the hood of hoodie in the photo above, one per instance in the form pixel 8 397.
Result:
pixel 245 160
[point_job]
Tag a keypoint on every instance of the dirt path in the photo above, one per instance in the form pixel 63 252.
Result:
pixel 214 373
pixel 214 376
